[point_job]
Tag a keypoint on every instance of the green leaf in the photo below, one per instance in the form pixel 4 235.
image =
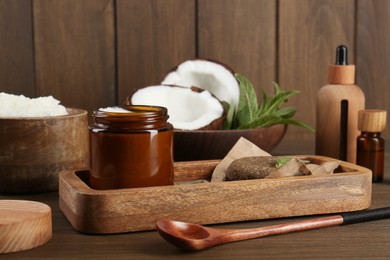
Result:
pixel 280 161
pixel 247 105
pixel 286 112
pixel 264 105
pixel 227 123
pixel 277 101
pixel 250 114
pixel 263 121
pixel 298 123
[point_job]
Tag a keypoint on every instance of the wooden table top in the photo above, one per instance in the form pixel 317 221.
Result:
pixel 369 240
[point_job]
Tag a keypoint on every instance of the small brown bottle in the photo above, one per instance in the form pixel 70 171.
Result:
pixel 370 144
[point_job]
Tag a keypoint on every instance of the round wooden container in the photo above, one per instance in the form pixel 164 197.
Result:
pixel 33 151
pixel 215 144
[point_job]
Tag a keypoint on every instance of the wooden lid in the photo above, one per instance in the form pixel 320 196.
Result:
pixel 372 120
pixel 23 225
pixel 341 74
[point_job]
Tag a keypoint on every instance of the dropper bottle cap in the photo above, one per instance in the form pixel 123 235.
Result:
pixel 372 120
pixel 342 55
pixel 341 73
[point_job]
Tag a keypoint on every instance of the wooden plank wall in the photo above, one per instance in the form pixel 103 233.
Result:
pixel 93 53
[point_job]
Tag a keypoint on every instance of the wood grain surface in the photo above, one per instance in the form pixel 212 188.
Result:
pixel 16 48
pixel 309 33
pixel 374 52
pixel 153 38
pixel 34 151
pixel 23 225
pixel 334 138
pixel 75 51
pixel 241 34
pixel 359 241
pixel 124 210
pixel 209 144
pixel 93 53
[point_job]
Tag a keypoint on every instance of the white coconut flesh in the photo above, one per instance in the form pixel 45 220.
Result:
pixel 187 109
pixel 207 75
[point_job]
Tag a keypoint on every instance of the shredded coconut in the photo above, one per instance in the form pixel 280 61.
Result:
pixel 21 106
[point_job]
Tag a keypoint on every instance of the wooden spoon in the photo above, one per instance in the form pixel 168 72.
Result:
pixel 194 237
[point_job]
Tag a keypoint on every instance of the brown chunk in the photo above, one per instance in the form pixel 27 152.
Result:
pixel 248 168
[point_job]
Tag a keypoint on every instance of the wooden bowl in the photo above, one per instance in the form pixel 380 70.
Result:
pixel 33 151
pixel 215 144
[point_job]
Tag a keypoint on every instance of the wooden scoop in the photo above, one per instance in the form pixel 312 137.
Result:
pixel 23 225
pixel 194 237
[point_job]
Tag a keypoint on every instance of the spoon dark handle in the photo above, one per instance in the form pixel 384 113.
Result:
pixel 368 215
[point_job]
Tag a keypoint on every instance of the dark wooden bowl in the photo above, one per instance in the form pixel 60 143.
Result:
pixel 33 151
pixel 215 144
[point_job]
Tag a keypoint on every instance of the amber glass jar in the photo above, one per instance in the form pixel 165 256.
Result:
pixel 131 147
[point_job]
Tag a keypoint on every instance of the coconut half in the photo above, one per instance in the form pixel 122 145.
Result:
pixel 208 75
pixel 188 108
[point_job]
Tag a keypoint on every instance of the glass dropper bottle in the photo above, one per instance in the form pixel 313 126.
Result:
pixel 370 144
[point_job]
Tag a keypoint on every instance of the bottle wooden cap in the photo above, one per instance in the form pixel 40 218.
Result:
pixel 372 120
pixel 341 74
pixel 23 225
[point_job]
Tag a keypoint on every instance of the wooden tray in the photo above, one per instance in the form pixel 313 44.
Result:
pixel 125 210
